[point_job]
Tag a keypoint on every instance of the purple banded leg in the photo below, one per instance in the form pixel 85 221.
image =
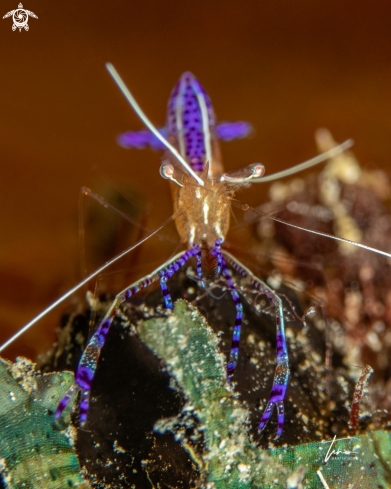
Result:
pixel 217 253
pixel 87 366
pixel 199 266
pixel 65 401
pixel 169 271
pixel 164 276
pixel 221 265
pixel 281 375
pixel 84 405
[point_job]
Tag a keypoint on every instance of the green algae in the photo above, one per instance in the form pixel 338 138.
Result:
pixel 34 453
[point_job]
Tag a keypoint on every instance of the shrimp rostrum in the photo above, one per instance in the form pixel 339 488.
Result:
pixel 202 196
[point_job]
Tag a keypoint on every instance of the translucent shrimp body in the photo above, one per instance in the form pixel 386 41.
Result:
pixel 203 212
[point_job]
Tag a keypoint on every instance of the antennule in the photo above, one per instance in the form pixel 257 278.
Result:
pixel 132 101
pixel 297 168
pixel 246 174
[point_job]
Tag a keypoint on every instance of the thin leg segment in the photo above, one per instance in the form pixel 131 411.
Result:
pixel 222 266
pixel 199 267
pixel 219 257
pixel 281 375
pixel 173 267
pixel 87 366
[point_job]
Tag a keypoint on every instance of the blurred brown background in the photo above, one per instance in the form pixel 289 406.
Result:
pixel 287 67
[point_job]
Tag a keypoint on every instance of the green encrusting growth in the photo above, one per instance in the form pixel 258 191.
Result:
pixel 34 453
pixel 189 348
pixel 230 460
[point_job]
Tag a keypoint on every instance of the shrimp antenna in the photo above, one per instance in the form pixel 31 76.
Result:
pixel 78 286
pixel 135 106
pixel 295 169
pixel 245 207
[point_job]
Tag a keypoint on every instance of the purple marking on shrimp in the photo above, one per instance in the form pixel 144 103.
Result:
pixel 198 256
pixel 64 402
pixel 84 377
pixel 280 418
pixel 62 405
pixel 87 366
pixel 169 271
pixel 217 253
pixel 83 406
pixel 131 291
pixel 142 139
pixel 281 345
pixel 227 131
pixel 277 397
pixel 184 103
pixel 233 356
pixel 164 288
pixel 281 375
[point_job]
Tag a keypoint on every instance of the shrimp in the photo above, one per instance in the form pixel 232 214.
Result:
pixel 202 196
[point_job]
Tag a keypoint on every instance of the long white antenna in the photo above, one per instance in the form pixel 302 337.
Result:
pixel 246 207
pixel 77 287
pixel 129 97
pixel 295 169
